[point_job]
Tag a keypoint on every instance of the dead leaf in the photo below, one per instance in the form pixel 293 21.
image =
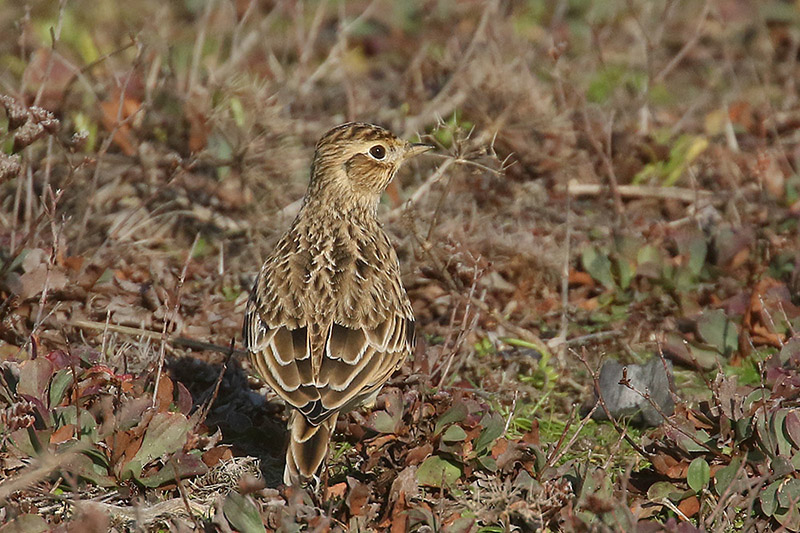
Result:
pixel 217 454
pixel 336 491
pixel 416 455
pixel 63 434
pixel 690 506
pixel 114 116
pixel 357 497
pixel 164 393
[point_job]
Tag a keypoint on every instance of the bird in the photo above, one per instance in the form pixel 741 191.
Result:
pixel 328 320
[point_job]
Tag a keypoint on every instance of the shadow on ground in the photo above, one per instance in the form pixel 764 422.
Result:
pixel 252 426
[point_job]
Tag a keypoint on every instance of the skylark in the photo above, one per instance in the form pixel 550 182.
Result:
pixel 328 320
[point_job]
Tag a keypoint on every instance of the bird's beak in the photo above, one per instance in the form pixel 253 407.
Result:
pixel 415 149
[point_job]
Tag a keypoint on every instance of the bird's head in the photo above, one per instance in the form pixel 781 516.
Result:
pixel 360 159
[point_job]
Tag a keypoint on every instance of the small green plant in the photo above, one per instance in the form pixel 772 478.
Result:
pixel 104 425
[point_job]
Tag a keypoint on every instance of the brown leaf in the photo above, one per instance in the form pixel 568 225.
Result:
pixel 690 506
pixel 399 515
pixel 500 447
pixel 510 454
pixel 405 484
pixel 664 464
pixel 91 518
pixel 580 278
pixel 48 70
pixel 113 117
pixel 532 436
pixel 217 454
pixel 357 497
pixel 416 455
pixel 62 434
pixel 336 491
pixel 164 394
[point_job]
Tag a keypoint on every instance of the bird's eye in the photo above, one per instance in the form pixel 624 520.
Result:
pixel 377 151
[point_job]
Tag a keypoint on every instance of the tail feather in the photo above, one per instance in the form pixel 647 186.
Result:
pixel 308 447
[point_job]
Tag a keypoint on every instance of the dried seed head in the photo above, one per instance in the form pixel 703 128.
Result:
pixel 9 167
pixel 18 416
pixel 17 113
pixel 28 134
pixel 44 117
pixel 78 140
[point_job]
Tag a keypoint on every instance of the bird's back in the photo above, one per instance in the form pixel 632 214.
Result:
pixel 328 320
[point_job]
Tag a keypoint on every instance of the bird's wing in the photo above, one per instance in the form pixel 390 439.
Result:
pixel 329 359
pixel 355 362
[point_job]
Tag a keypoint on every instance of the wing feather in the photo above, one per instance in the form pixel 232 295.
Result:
pixel 328 321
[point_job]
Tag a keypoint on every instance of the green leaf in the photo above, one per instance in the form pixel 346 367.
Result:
pixel 776 426
pixel 698 249
pixel 493 427
pixel 488 463
pixel 661 490
pixel 650 261
pixel 438 472
pixel 83 466
pixel 454 433
pixel 180 465
pixel 717 330
pixel 755 399
pixel 725 476
pixel 58 386
pixel 68 415
pixel 237 111
pixel 788 512
pixel 698 474
pixel 383 422
pixel 598 265
pixel 457 413
pixel 769 498
pixel 691 446
pixel 242 514
pixel 166 433
pixel 626 270
pixel 789 493
pixel 26 523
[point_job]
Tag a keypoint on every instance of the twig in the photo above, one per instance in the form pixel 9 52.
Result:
pixel 197 51
pixel 674 508
pixel 605 157
pixel 170 317
pixel 207 407
pixel 465 327
pixel 184 497
pixel 640 191
pixel 558 451
pixel 138 332
pixel 560 340
pixel 120 121
pixel 596 380
pixel 336 50
pixel 423 189
pixel 413 124
pixel 625 382
pixel 585 339
pixel 40 469
pixel 675 61
pixel 55 35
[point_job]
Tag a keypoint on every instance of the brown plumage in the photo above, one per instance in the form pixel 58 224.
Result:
pixel 328 320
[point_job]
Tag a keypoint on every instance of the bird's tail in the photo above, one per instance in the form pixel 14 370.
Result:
pixel 308 447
